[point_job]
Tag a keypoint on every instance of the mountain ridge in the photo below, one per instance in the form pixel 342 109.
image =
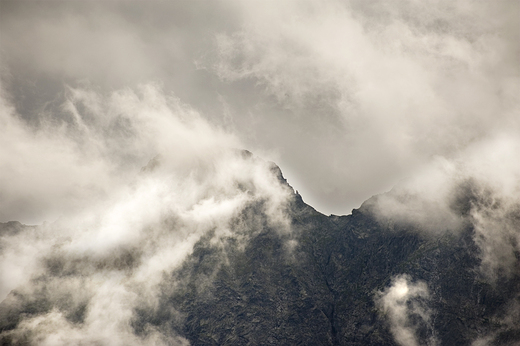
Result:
pixel 327 281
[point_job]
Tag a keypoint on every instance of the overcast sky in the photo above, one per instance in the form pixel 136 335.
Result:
pixel 348 97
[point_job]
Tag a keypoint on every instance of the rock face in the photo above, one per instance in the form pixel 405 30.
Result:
pixel 320 285
pixel 322 291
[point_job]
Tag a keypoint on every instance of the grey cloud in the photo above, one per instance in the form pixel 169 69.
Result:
pixel 404 80
pixel 110 45
pixel 349 96
pixel 115 42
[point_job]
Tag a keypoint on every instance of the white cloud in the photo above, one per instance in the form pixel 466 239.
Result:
pixel 95 149
pixel 480 187
pixel 403 304
pixel 403 80
pixel 109 253
pixel 353 95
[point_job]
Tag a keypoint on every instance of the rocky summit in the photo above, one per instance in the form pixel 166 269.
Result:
pixel 329 280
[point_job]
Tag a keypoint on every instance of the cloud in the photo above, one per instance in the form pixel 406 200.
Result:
pixel 353 96
pixel 479 188
pixel 86 273
pixel 404 305
pixel 391 84
pixel 95 148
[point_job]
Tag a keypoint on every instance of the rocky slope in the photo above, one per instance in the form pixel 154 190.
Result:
pixel 323 291
pixel 322 283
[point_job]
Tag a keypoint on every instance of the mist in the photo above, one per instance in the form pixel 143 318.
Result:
pixel 108 251
pixel 405 305
pixel 123 126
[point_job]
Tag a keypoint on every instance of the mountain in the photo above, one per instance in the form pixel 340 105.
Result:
pixel 330 280
pixel 322 291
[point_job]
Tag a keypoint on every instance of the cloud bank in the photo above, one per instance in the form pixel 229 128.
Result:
pixel 396 82
pixel 353 96
pixel 96 147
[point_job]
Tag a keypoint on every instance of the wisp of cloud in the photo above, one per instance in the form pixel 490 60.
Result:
pixel 79 279
pixel 403 304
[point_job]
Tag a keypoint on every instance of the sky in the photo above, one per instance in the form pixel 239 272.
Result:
pixel 122 124
pixel 347 97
